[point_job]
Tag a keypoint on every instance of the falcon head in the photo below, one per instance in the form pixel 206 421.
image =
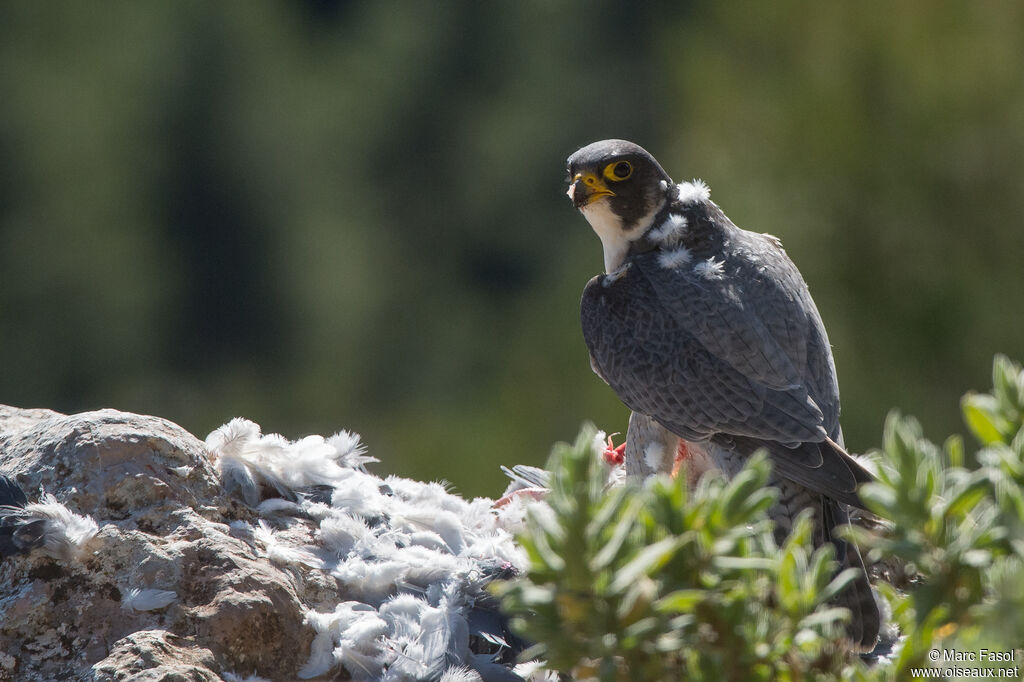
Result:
pixel 619 188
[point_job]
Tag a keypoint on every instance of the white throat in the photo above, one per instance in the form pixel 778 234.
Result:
pixel 614 239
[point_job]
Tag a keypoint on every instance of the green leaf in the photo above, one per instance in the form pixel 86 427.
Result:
pixel 789 581
pixel 647 560
pixel 836 614
pixel 551 559
pixel 641 628
pixel 976 558
pixel 1006 383
pixel 759 501
pixel 613 547
pixel 968 498
pixel 981 412
pixel 680 601
pixel 954 449
pixel 752 478
pixel 879 498
pixel 839 583
pixel 734 563
pixel 821 568
pixel 610 507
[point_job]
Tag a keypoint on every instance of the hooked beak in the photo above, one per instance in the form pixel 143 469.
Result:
pixel 586 188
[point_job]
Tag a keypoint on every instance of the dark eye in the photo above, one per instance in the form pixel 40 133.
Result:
pixel 618 171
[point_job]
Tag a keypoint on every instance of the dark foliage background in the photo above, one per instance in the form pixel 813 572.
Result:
pixel 338 214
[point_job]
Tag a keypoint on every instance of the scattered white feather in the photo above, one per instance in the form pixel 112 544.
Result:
pixel 350 635
pixel 433 493
pixel 318 511
pixel 709 269
pixel 616 476
pixel 443 639
pixel 497 546
pixel 360 494
pixel 512 515
pixel 694 191
pixel 149 599
pixel 247 459
pixel 321 652
pixel 674 258
pixel 654 455
pixel 65 534
pixel 351 452
pixel 339 533
pixel 235 475
pixel 234 677
pixel 405 551
pixel 448 525
pixel 233 436
pixel 461 674
pixel 429 540
pixel 280 553
pixel 489 671
pixel 534 671
pixel 542 514
pixel 312 461
pixel 375 579
pixel 279 505
pixel 428 566
pixel 227 446
pixel 402 613
pixel 670 231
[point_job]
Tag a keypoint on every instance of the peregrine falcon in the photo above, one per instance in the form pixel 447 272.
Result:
pixel 709 331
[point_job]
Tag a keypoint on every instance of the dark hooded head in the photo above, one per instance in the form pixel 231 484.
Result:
pixel 619 187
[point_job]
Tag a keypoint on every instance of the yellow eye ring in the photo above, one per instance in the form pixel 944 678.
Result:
pixel 618 171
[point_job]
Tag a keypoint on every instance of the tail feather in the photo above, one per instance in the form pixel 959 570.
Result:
pixel 824 466
pixel 866 622
pixel 829 515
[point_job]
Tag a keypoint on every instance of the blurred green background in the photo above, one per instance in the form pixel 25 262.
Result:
pixel 324 215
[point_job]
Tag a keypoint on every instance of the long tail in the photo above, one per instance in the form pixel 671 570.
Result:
pixel 858 596
pixel 829 515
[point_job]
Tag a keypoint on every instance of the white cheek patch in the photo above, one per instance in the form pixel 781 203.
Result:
pixel 615 238
pixel 694 191
pixel 608 226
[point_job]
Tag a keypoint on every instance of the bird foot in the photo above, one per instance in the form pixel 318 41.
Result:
pixel 614 455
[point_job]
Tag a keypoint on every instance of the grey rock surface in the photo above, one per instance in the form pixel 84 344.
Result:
pixel 167 589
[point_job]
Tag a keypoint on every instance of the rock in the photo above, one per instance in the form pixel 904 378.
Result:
pixel 164 526
pixel 153 655
pixel 244 557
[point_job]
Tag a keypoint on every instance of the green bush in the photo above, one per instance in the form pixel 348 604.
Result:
pixel 653 582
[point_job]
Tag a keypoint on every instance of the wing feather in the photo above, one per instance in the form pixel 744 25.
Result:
pixel 737 352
